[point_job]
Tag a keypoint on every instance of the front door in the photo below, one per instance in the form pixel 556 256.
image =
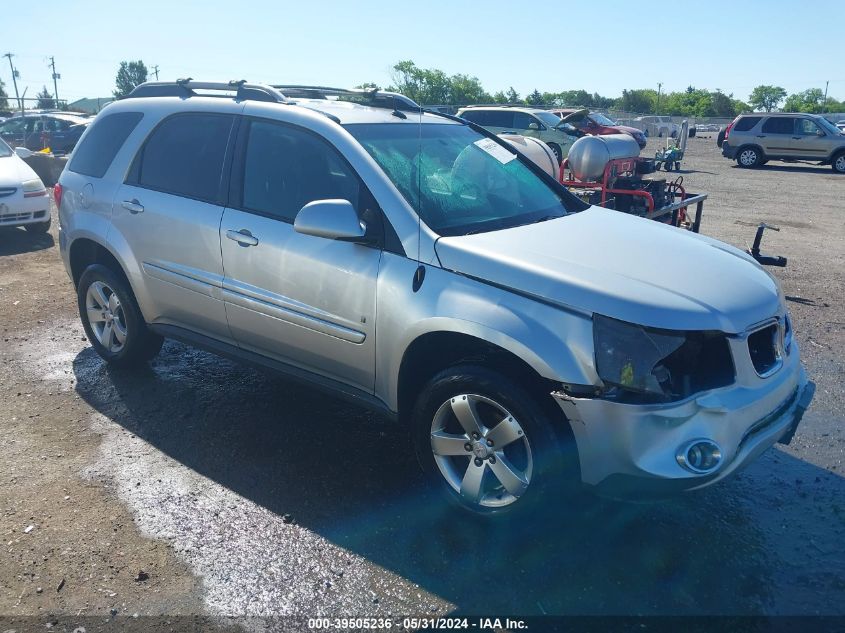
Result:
pixel 305 300
pixel 809 140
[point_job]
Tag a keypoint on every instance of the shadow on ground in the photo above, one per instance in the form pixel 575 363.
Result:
pixel 353 479
pixel 14 241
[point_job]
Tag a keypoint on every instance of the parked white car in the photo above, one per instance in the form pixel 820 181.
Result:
pixel 657 126
pixel 23 197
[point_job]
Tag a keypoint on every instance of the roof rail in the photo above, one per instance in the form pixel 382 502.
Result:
pixel 364 96
pixel 186 88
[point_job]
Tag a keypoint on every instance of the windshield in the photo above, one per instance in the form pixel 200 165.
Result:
pixel 548 118
pixel 827 125
pixel 5 150
pixel 601 119
pixel 458 180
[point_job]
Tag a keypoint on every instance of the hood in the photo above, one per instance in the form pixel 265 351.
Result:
pixel 13 171
pixel 624 267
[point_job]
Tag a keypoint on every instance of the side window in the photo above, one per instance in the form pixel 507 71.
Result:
pixel 806 127
pixel 746 123
pixel 14 126
pixel 779 125
pixel 99 147
pixel 501 118
pixel 184 155
pixel 476 116
pixel 285 168
pixel 521 120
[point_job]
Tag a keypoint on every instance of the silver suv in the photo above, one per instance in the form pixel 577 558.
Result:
pixel 414 263
pixel 755 139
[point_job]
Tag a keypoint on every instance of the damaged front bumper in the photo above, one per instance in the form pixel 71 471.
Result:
pixel 631 450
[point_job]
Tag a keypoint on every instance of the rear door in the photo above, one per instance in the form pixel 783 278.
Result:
pixel 300 299
pixel 810 140
pixel 775 136
pixel 169 211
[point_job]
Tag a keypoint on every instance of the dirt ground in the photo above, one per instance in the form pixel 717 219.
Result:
pixel 200 487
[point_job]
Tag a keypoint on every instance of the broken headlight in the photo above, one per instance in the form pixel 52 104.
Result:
pixel 659 364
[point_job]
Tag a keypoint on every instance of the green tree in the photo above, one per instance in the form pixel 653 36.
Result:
pixel 641 100
pixel 4 98
pixel 535 98
pixel 45 100
pixel 129 75
pixel 500 97
pixel 368 85
pixel 766 97
pixel 811 100
pixel 512 96
pixel 464 90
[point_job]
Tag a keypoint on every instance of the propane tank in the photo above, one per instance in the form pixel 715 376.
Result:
pixel 535 150
pixel 589 155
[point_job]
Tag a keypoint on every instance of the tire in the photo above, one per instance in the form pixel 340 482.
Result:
pixel 838 163
pixel 104 293
pixel 39 227
pixel 720 137
pixel 749 157
pixel 518 441
pixel 557 152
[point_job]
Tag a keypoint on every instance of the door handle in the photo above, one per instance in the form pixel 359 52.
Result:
pixel 133 206
pixel 761 136
pixel 796 138
pixel 242 237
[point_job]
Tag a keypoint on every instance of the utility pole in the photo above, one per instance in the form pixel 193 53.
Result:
pixel 155 70
pixel 824 106
pixel 56 76
pixel 14 80
pixel 659 86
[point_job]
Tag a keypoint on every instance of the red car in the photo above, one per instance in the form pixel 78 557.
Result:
pixel 593 123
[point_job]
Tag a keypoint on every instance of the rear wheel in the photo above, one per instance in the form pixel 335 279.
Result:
pixel 838 163
pixel 488 445
pixel 112 320
pixel 39 227
pixel 749 157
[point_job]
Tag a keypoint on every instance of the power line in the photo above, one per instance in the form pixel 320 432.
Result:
pixel 155 70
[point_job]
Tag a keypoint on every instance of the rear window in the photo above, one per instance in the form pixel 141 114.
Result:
pixel 779 125
pixel 184 156
pixel 746 123
pixel 97 151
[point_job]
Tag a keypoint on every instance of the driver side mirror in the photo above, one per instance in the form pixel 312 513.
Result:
pixel 533 125
pixel 331 219
pixel 23 152
pixel 821 133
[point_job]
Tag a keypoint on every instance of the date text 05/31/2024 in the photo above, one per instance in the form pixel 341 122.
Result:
pixel 416 624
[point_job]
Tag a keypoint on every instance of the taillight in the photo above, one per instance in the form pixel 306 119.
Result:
pixel 57 194
pixel 728 129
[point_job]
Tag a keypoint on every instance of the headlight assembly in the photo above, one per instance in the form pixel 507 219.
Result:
pixel 33 188
pixel 660 364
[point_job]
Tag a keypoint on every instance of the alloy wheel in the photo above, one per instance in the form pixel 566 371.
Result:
pixel 748 157
pixel 481 450
pixel 106 317
pixel 840 164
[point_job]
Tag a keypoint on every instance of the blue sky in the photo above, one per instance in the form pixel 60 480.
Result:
pixel 599 46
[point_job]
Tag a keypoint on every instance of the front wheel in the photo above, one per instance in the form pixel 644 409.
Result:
pixel 112 320
pixel 749 157
pixel 557 152
pixel 488 444
pixel 838 163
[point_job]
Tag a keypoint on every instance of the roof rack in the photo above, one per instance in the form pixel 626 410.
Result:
pixel 363 96
pixel 185 88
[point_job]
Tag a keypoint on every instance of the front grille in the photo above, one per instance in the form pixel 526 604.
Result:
pixel 764 349
pixel 7 191
pixel 8 218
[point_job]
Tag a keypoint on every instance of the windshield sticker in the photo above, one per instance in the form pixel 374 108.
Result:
pixel 495 150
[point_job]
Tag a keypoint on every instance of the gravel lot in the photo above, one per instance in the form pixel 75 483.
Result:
pixel 237 493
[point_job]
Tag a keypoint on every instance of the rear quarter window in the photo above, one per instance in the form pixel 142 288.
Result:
pixel 107 135
pixel 746 123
